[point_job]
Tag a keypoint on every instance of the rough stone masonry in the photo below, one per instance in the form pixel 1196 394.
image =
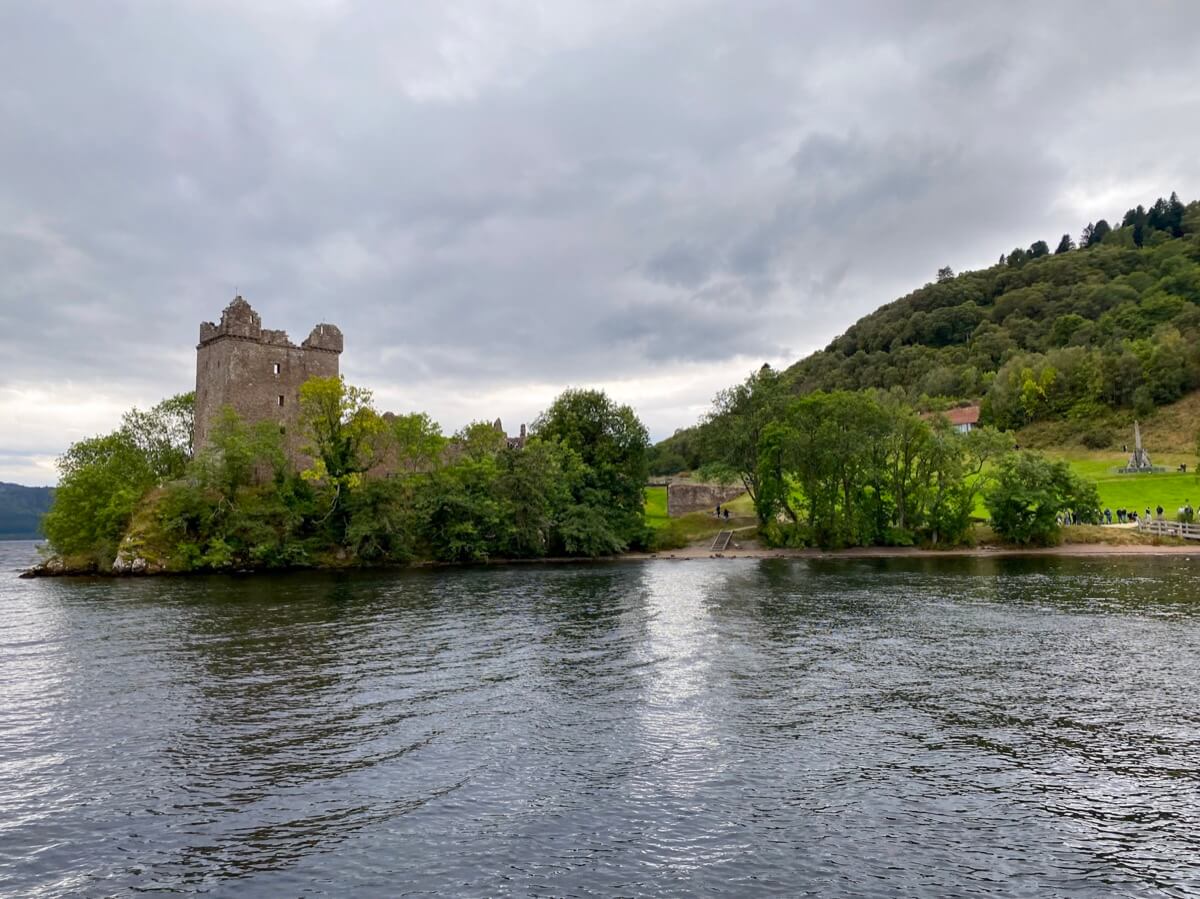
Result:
pixel 258 372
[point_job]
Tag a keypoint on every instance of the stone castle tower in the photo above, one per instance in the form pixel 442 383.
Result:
pixel 258 372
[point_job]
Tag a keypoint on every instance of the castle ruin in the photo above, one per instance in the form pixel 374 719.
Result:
pixel 258 372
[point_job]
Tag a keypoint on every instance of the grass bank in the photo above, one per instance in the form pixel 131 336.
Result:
pixel 673 533
pixel 1170 489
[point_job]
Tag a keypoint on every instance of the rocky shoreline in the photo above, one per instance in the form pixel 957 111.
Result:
pixel 139 567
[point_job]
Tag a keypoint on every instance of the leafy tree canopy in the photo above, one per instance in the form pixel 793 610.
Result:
pixel 611 444
pixel 1031 495
pixel 1039 335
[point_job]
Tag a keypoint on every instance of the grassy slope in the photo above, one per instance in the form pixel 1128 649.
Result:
pixel 1168 430
pixel 656 507
pixel 1136 491
pixel 1169 435
pixel 1128 491
pixel 696 526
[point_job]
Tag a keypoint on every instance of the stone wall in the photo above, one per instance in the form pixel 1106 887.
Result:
pixel 684 497
pixel 258 372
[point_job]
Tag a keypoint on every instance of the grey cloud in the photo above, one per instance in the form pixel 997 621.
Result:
pixel 516 193
pixel 681 265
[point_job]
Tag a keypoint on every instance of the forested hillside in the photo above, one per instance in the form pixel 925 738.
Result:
pixel 1104 323
pixel 21 510
pixel 1109 323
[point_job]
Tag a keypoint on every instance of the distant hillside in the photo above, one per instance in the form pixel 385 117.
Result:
pixel 21 510
pixel 1042 335
pixel 1105 326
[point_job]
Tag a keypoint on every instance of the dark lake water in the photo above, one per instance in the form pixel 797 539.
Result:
pixel 717 727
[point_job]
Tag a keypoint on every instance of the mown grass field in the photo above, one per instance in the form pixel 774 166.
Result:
pixel 1170 489
pixel 656 507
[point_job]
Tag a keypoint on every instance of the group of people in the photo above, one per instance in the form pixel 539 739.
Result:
pixel 720 510
pixel 1130 516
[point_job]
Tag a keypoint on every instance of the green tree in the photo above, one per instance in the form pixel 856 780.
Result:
pixel 101 480
pixel 1065 245
pixel 947 501
pixel 1029 494
pixel 461 512
pixel 831 452
pixel 383 521
pixel 415 440
pixel 981 447
pixel 535 487
pixel 1017 257
pixel 610 443
pixel 733 429
pixel 238 454
pixel 164 434
pixel 342 428
pixel 480 440
pixel 1175 215
pixel 1143 401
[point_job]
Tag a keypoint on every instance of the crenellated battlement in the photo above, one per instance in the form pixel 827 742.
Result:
pixel 324 337
pixel 237 320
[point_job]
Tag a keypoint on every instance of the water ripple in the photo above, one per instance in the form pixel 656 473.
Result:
pixel 954 728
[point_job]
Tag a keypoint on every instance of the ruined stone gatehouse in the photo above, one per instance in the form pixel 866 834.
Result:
pixel 684 496
pixel 258 372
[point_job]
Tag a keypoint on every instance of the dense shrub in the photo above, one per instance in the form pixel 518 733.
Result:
pixel 1030 494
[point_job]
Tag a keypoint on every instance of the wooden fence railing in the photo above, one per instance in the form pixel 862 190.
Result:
pixel 1187 530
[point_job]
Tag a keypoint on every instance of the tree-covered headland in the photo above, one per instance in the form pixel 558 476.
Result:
pixel 833 449
pixel 1110 323
pixel 377 490
pixel 1085 335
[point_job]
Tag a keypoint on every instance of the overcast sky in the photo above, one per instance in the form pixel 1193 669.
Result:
pixel 496 200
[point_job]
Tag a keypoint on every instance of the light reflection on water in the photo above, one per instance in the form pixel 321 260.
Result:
pixel 944 727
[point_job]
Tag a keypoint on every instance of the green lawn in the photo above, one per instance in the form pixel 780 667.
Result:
pixel 696 525
pixel 656 507
pixel 1169 489
pixel 1129 491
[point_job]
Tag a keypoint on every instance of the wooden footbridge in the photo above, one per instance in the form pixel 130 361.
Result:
pixel 1186 530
